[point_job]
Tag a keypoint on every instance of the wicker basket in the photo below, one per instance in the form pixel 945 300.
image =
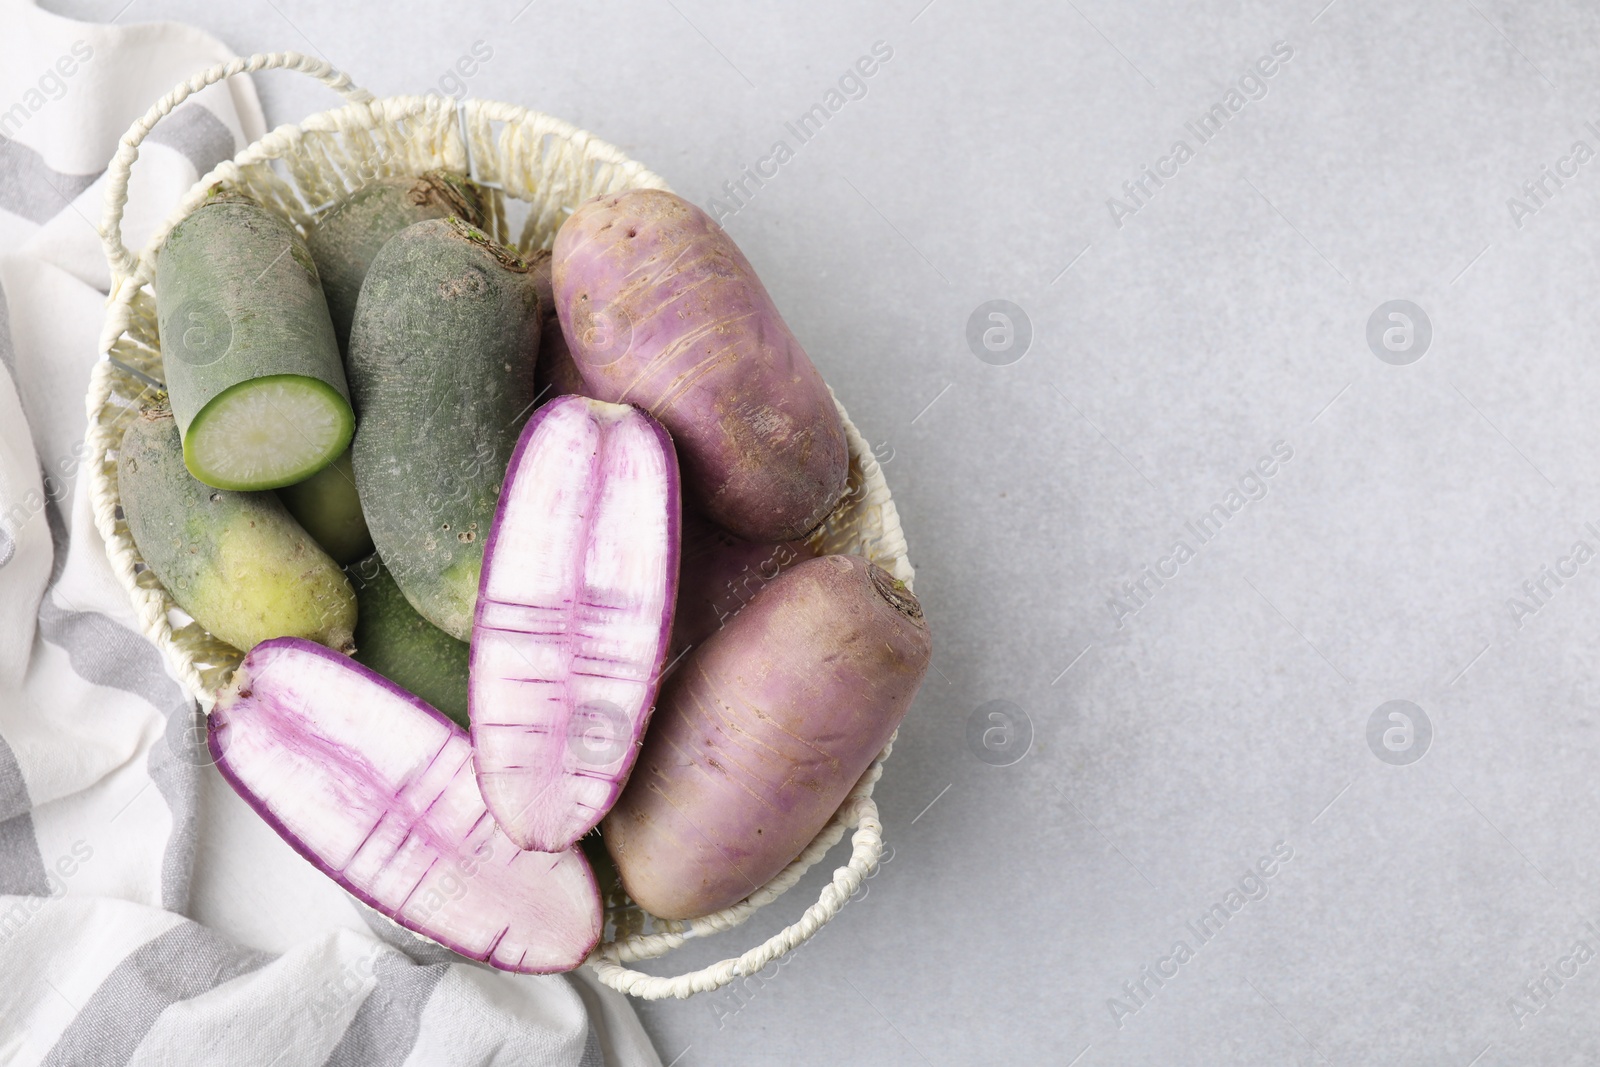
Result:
pixel 549 167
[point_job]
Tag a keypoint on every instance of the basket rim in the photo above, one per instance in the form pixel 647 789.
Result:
pixel 150 601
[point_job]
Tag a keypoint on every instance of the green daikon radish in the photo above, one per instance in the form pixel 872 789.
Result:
pixel 405 648
pixel 251 363
pixel 441 368
pixel 237 562
pixel 327 505
pixel 346 238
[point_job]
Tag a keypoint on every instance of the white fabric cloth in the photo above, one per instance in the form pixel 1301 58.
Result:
pixel 146 915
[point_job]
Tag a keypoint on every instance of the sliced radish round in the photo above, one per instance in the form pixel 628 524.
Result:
pixel 574 613
pixel 268 432
pixel 375 788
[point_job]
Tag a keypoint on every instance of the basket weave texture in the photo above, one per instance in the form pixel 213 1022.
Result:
pixel 532 163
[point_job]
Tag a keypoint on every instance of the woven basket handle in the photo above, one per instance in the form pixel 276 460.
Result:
pixel 866 849
pixel 117 255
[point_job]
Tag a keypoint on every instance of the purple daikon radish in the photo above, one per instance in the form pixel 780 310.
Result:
pixel 574 615
pixel 376 789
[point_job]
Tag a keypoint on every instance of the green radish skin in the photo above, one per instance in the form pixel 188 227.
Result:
pixel 556 374
pixel 410 651
pixel 252 367
pixel 328 507
pixel 236 562
pixel 441 366
pixel 347 237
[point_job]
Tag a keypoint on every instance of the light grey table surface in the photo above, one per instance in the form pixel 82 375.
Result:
pixel 1431 910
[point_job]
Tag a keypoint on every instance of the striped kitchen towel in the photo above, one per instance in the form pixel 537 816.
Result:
pixel 146 915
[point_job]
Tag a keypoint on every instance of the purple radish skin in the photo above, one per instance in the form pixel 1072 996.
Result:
pixel 375 788
pixel 662 310
pixel 574 616
pixel 762 732
pixel 555 374
pixel 718 576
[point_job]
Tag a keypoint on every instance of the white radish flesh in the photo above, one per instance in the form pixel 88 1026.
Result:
pixel 574 614
pixel 376 789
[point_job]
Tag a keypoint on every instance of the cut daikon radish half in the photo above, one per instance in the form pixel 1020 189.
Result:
pixel 268 432
pixel 574 614
pixel 376 789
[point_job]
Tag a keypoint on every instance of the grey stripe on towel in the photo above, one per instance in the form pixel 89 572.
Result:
pixel 174 767
pixel 22 870
pixel 384 1029
pixel 21 863
pixel 29 188
pixel 184 962
pixel 198 134
pixel 103 651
